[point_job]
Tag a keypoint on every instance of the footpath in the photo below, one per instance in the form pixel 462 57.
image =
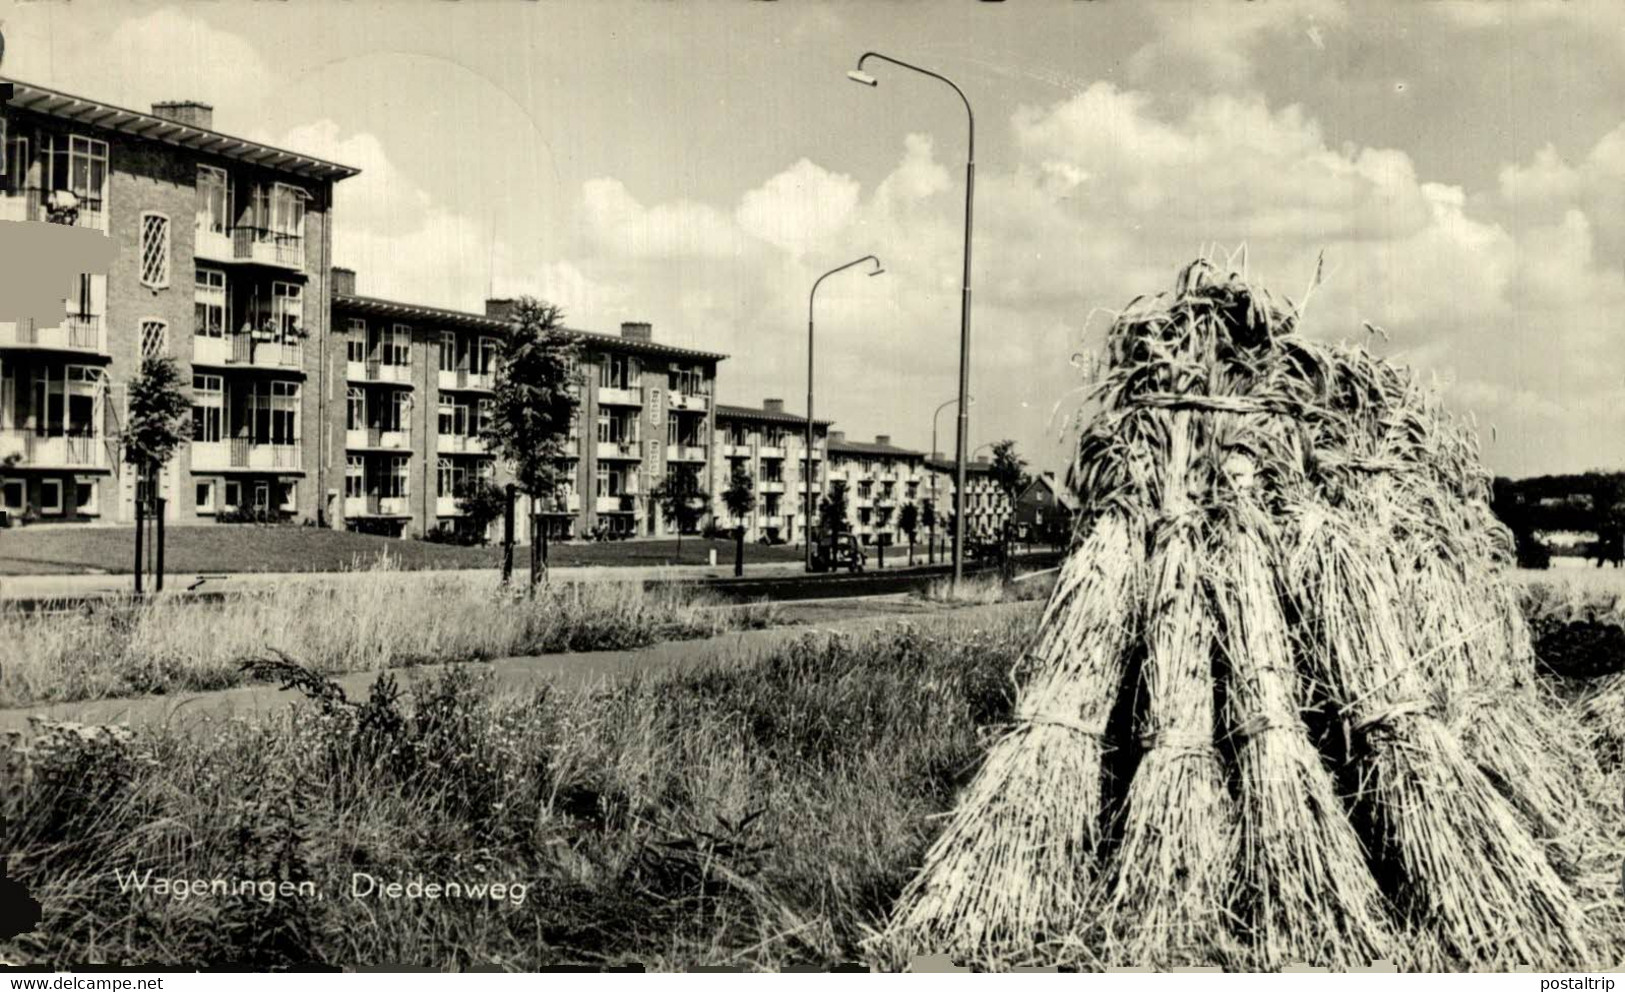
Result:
pixel 519 674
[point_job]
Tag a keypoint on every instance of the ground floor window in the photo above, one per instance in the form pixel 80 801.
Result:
pixel 288 500
pixel 355 477
pixel 205 497
pixel 84 499
pixel 16 495
pixel 50 496
pixel 234 495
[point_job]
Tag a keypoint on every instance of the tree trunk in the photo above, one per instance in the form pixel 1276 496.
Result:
pixel 507 538
pixel 535 551
pixel 158 543
pixel 739 551
pixel 140 526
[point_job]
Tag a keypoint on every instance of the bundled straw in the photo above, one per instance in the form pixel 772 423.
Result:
pixel 1007 871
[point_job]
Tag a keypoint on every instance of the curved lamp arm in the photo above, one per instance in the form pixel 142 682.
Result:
pixel 840 268
pixel 858 75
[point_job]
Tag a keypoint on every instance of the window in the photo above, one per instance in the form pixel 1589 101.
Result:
pixel 289 496
pixel 79 166
pixel 671 431
pixel 16 495
pixel 773 437
pixel 396 413
pixel 287 310
pixel 262 497
pixel 16 162
pixel 487 356
pixel 618 372
pixel 50 496
pixel 154 339
pixel 399 346
pixel 154 250
pixel 451 476
pixel 453 415
pixel 355 345
pixel 485 412
pixel 234 496
pixel 355 477
pixel 213 200
pixel 448 351
pixel 356 409
pixel 88 295
pixel 288 211
pixel 284 412
pixel 205 497
pixel 688 379
pixel 209 295
pixel 207 405
pixel 396 482
pixel 84 499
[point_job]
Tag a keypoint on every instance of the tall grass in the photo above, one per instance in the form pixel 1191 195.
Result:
pixel 390 619
pixel 990 587
pixel 761 815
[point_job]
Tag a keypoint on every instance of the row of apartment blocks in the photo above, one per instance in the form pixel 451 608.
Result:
pixel 312 401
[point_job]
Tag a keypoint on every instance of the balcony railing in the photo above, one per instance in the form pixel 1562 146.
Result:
pixel 685 453
pixel 618 449
pixel 465 379
pixel 377 437
pixel 87 213
pixel 261 352
pixel 77 332
pixel 736 451
pixel 375 370
pixel 624 503
pixel 689 401
pixel 466 444
pixel 771 451
pixel 36 449
pixel 258 244
pixel 771 486
pixel 248 454
pixel 613 396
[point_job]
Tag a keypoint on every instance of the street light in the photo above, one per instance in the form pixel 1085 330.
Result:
pixel 859 76
pixel 935 505
pixel 807 477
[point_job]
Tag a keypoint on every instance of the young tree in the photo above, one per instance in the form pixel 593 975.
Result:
pixel 158 424
pixel 928 520
pixel 832 509
pixel 740 496
pixel 681 499
pixel 482 503
pixel 1010 475
pixel 908 521
pixel 535 397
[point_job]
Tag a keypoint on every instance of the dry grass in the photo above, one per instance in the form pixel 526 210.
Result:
pixel 392 619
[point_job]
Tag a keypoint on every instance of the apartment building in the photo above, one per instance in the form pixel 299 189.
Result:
pixel 418 384
pixel 221 263
pixel 881 478
pixel 771 446
pixel 986 506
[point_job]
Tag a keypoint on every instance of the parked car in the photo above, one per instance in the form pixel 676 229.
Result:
pixel 842 551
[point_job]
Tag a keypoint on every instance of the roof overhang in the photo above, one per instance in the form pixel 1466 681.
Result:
pixel 40 100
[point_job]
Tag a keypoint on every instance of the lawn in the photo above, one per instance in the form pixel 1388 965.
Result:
pixel 251 548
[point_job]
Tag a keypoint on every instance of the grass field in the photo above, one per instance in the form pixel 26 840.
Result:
pixel 757 815
pixel 251 548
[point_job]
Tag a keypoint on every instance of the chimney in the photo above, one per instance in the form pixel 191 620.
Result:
pixel 343 281
pixel 188 112
pixel 773 406
pixel 883 439
pixel 499 309
pixel 837 435
pixel 936 456
pixel 637 331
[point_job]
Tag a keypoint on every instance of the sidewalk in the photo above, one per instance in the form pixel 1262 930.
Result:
pixel 573 671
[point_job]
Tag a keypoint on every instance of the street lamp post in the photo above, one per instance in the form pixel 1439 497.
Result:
pixel 936 506
pixel 807 477
pixel 858 75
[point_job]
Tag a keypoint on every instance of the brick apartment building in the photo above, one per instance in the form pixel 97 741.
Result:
pixel 222 261
pixel 771 446
pixel 418 382
pixel 986 506
pixel 881 478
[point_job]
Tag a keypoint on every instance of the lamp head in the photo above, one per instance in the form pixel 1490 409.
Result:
pixel 859 76
pixel 878 270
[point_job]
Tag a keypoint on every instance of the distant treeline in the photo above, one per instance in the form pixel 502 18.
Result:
pixel 1590 501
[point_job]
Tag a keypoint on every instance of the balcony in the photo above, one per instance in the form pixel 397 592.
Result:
pixel 460 444
pixel 213 246
pixel 248 351
pixel 568 503
pixel 736 451
pixel 612 396
pixel 374 370
pixel 610 450
pixel 465 379
pixel 77 333
pixel 376 506
pixel 31 205
pixel 685 453
pixel 771 486
pixel 376 437
pixel 267 247
pixel 37 450
pixel 695 402
pixel 241 453
pixel 624 503
pixel 771 451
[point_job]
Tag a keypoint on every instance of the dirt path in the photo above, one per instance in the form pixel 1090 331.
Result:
pixel 519 674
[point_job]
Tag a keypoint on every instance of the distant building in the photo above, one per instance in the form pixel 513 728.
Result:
pixel 1045 510
pixel 771 446
pixel 986 506
pixel 881 478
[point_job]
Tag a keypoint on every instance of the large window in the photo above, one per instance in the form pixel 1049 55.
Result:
pixel 618 372
pixel 287 310
pixel 487 356
pixel 209 295
pixel 396 412
pixel 355 343
pixel 396 481
pixel 688 379
pixel 276 417
pixel 79 166
pixel 451 476
pixel 448 351
pixel 355 477
pixel 213 200
pixel 356 409
pixel 208 404
pixel 453 416
pixel 398 346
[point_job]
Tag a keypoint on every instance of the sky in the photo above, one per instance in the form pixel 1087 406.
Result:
pixel 697 165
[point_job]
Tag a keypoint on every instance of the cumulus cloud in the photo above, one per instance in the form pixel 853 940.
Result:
pixel 617 222
pixel 1220 39
pixel 799 208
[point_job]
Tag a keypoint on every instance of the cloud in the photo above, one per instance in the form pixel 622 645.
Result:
pixel 617 222
pixel 799 208
pixel 1219 39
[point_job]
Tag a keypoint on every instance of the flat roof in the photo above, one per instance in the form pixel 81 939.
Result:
pixel 462 318
pixel 53 103
pixel 950 466
pixel 727 411
pixel 845 447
